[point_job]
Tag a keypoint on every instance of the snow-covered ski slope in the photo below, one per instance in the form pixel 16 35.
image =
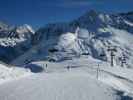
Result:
pixel 73 85
pixel 89 65
pixel 79 82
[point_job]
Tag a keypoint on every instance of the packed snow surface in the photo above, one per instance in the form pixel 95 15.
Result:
pixel 57 86
pixel 79 81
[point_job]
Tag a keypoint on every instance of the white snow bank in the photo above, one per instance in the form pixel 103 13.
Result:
pixel 8 73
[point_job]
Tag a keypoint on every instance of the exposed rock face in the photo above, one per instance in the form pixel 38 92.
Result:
pixel 14 41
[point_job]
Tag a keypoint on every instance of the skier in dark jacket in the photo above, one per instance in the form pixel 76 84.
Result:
pixel 68 68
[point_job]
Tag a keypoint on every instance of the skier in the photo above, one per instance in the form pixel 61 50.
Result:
pixel 46 66
pixel 68 68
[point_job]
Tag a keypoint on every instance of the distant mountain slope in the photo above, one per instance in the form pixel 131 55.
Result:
pixel 92 21
pixel 97 31
pixel 14 41
pixel 128 16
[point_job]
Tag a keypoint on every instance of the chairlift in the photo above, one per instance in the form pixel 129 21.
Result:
pixel 102 55
pixel 53 50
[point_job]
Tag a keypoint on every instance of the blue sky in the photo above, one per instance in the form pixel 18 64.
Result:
pixel 40 12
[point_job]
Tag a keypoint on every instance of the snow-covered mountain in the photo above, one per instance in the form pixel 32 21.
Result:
pixel 14 41
pixel 128 16
pixel 91 34
pixel 81 49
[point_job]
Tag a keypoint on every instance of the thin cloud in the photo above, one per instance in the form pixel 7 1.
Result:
pixel 78 3
pixel 71 3
pixel 74 3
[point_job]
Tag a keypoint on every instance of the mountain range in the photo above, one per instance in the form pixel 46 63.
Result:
pixel 91 34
